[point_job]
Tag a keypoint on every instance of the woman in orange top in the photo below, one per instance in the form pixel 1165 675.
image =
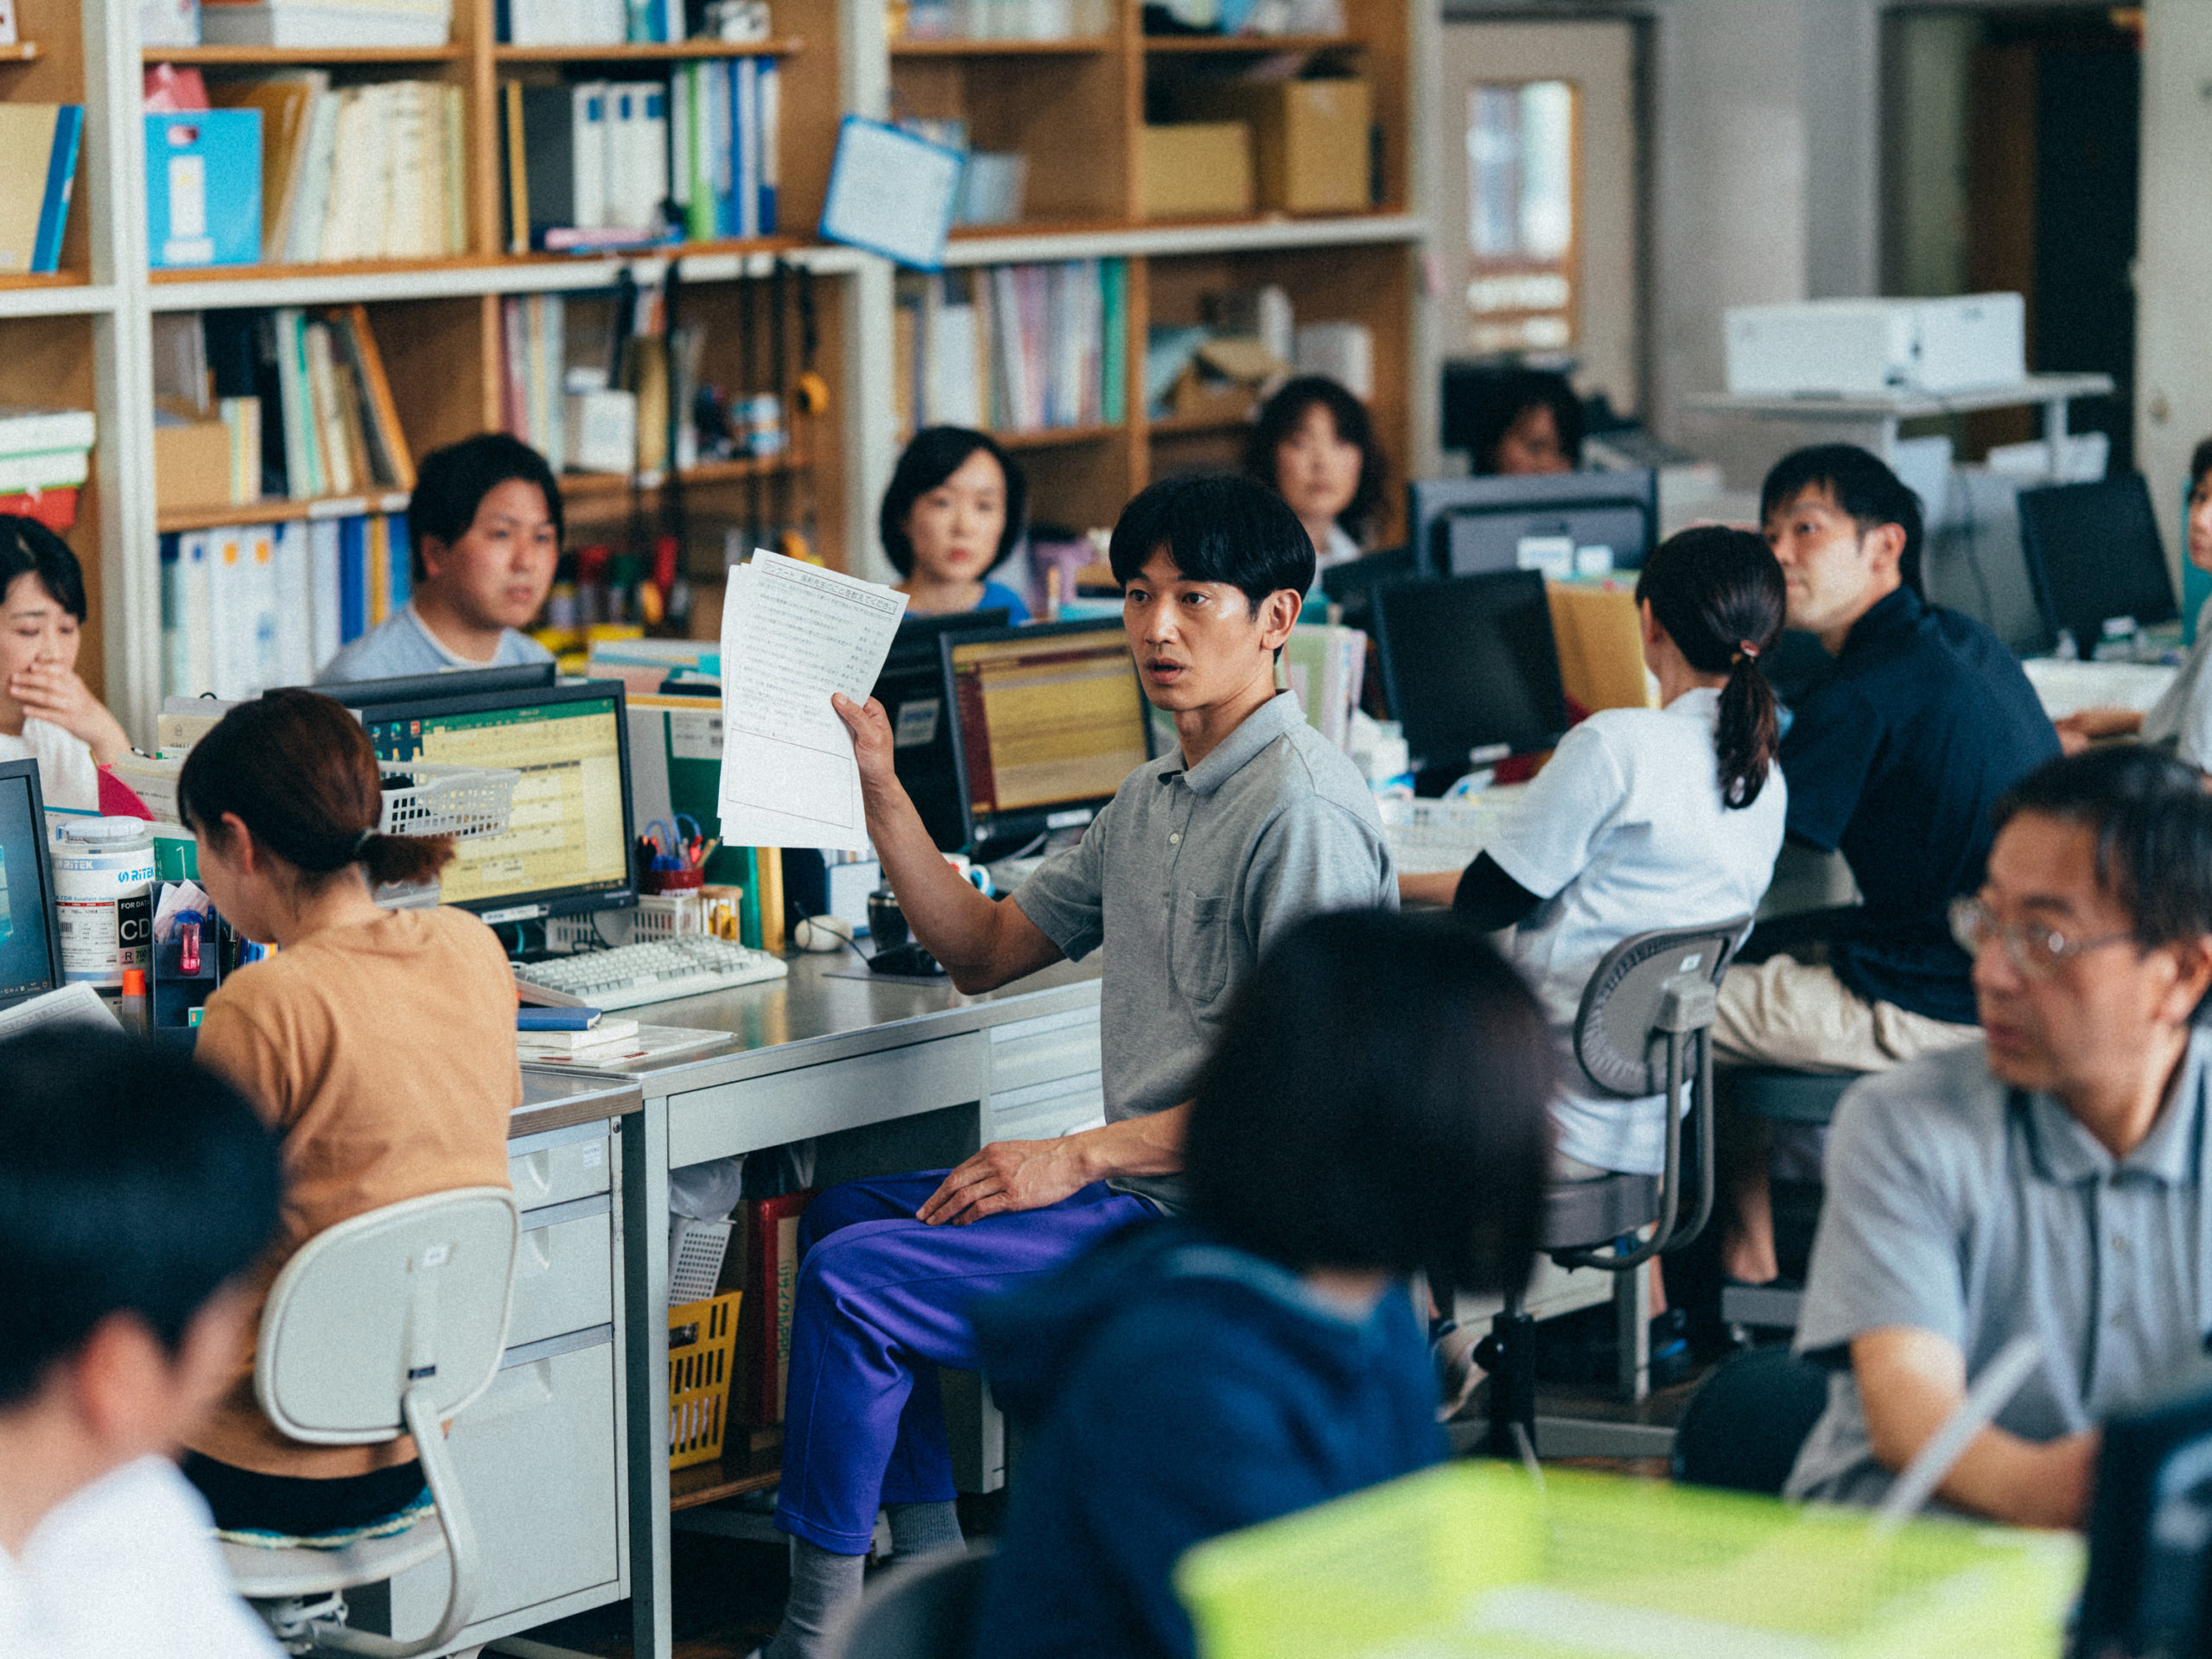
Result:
pixel 379 1044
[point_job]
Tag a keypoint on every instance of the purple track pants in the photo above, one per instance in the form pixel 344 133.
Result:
pixel 882 1301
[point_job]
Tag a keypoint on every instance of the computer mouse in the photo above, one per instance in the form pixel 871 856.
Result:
pixel 908 961
pixel 823 933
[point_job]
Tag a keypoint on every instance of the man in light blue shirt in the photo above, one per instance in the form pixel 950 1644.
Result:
pixel 484 520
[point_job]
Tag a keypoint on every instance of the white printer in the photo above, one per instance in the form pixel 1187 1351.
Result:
pixel 1856 348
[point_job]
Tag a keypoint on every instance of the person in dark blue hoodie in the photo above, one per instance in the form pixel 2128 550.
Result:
pixel 1376 1104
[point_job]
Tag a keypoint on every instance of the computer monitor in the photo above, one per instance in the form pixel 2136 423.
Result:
pixel 917 696
pixel 2149 1525
pixel 30 925
pixel 2092 553
pixel 1049 719
pixel 423 688
pixel 1471 669
pixel 1540 521
pixel 568 846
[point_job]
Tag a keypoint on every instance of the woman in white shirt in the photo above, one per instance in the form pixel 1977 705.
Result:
pixel 1645 817
pixel 47 713
pixel 1313 444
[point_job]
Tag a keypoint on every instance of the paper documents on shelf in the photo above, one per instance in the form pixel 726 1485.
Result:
pixel 792 633
pixel 645 1046
pixel 73 1005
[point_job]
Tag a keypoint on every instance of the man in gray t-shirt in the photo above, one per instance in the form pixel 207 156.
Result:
pixel 2050 1180
pixel 1202 857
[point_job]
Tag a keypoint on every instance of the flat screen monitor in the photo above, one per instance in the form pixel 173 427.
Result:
pixel 917 696
pixel 2092 553
pixel 1471 669
pixel 1543 521
pixel 30 926
pixel 1049 719
pixel 568 846
pixel 423 688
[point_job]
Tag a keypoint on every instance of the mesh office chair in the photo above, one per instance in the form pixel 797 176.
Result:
pixel 1644 1028
pixel 388 1323
pixel 925 1610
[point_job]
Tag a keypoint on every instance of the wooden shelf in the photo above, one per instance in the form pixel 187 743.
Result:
pixel 1197 426
pixel 256 57
pixel 42 279
pixel 733 1475
pixel 170 519
pixel 584 486
pixel 285 273
pixel 667 51
pixel 1253 45
pixel 19 52
pixel 1055 437
pixel 1074 46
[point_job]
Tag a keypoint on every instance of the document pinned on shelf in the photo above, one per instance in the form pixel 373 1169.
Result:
pixel 792 633
pixel 891 192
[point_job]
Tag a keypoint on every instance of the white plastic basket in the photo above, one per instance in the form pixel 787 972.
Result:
pixel 658 916
pixel 465 801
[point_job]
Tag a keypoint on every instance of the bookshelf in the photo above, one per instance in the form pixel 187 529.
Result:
pixel 1074 108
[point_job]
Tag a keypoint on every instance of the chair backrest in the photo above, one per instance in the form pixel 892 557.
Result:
pixel 927 1611
pixel 1615 1037
pixel 415 1294
pixel 1745 1425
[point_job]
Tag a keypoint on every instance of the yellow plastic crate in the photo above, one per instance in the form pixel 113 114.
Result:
pixel 701 1344
pixel 1474 1561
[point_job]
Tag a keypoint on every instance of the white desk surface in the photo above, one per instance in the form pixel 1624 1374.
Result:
pixel 2066 688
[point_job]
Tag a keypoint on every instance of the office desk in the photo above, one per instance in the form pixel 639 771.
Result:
pixel 542 1459
pixel 884 1076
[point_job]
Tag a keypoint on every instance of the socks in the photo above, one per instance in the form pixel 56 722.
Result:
pixel 920 1529
pixel 825 1588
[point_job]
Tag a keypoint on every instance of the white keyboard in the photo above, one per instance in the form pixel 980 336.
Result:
pixel 631 974
pixel 1431 837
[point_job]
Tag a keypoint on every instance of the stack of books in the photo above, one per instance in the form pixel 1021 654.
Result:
pixel 45 456
pixel 367 172
pixel 1014 348
pixel 568 1047
pixel 318 23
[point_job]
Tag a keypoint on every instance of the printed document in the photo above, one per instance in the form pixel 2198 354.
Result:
pixel 792 633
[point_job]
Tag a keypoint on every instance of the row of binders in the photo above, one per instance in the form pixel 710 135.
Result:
pixel 41 142
pixel 374 171
pixel 250 607
pixel 588 23
pixel 1014 348
pixel 612 164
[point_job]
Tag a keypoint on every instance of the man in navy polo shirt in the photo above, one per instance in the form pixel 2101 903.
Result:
pixel 1895 760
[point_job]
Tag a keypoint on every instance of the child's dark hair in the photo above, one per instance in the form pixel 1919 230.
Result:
pixel 1216 527
pixel 132 1182
pixel 935 455
pixel 1378 1097
pixel 297 770
pixel 1504 400
pixel 1719 594
pixel 452 483
pixel 2200 462
pixel 29 549
pixel 1864 489
pixel 1282 414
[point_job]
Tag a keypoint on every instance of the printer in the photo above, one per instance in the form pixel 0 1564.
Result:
pixel 1871 348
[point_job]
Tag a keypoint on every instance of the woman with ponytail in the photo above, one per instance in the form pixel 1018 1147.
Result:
pixel 1645 817
pixel 378 1044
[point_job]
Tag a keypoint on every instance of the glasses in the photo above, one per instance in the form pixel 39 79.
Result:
pixel 2034 950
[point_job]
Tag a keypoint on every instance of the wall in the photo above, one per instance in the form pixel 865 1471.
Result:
pixel 2173 285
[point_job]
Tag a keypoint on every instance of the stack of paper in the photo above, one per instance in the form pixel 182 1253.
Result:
pixel 326 23
pixel 792 634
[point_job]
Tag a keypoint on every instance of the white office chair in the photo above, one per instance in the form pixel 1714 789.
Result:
pixel 391 1323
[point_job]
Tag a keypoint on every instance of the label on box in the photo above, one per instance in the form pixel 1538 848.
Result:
pixel 1552 555
pixel 695 734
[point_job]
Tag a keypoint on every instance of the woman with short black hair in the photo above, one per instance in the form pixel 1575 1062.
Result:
pixel 1314 445
pixel 1375 1104
pixel 47 713
pixel 955 513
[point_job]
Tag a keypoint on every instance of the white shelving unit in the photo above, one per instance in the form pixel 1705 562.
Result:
pixel 2053 392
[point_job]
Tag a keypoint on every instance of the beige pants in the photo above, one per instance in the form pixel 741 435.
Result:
pixel 1787 1013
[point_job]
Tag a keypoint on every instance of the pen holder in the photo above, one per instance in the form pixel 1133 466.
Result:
pixel 670 880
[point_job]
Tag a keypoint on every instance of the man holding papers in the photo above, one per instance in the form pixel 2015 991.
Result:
pixel 1199 860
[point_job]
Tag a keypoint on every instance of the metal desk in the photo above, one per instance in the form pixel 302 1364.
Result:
pixel 884 1076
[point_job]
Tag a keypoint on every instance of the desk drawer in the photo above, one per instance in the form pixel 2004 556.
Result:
pixel 1026 1051
pixel 536 1460
pixel 565 1276
pixel 559 1166
pixel 824 1099
pixel 1043 1110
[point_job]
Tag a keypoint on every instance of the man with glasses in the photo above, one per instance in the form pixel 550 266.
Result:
pixel 2048 1181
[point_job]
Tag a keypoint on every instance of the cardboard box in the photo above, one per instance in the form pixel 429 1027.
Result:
pixel 1197 171
pixel 1599 634
pixel 192 465
pixel 1309 139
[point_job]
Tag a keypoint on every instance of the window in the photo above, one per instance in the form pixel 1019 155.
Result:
pixel 1522 144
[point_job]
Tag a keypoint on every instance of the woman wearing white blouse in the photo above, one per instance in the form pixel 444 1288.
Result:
pixel 48 713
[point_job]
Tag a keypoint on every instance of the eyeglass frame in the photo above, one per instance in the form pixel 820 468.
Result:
pixel 2014 936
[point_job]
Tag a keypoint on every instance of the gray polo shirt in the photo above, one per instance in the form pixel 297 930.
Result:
pixel 1959 1207
pixel 1186 876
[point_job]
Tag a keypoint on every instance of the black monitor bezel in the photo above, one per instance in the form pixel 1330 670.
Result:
pixel 451 683
pixel 1030 822
pixel 917 653
pixel 1431 503
pixel 1395 594
pixel 550 901
pixel 43 856
pixel 2087 634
